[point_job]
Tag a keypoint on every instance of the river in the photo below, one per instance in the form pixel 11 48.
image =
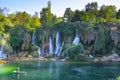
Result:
pixel 40 70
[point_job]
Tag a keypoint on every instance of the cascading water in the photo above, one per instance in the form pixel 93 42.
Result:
pixel 39 51
pixel 57 43
pixel 33 42
pixel 1 53
pixel 33 38
pixel 60 49
pixel 50 45
pixel 76 40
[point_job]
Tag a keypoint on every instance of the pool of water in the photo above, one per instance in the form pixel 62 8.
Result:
pixel 38 70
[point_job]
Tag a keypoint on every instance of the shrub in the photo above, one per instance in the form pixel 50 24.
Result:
pixel 73 51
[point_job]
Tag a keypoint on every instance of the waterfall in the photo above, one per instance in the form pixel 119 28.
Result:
pixel 38 48
pixel 57 43
pixel 50 45
pixel 1 53
pixel 39 51
pixel 76 39
pixel 33 38
pixel 60 49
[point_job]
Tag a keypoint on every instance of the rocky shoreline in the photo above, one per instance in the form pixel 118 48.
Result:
pixel 109 58
pixel 113 57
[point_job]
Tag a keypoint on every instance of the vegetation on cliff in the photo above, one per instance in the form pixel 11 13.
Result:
pixel 98 30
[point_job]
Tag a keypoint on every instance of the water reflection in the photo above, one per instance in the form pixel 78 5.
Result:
pixel 57 70
pixel 51 70
pixel 19 76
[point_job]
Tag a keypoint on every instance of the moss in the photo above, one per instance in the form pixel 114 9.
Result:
pixel 34 54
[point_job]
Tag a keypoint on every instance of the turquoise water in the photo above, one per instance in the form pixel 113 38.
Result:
pixel 37 70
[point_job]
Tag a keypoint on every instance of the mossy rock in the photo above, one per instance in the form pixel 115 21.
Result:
pixel 49 56
pixel 35 54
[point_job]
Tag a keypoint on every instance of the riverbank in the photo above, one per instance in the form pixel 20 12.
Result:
pixel 109 58
pixel 3 61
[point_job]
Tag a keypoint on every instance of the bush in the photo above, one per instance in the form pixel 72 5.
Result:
pixel 8 49
pixel 73 51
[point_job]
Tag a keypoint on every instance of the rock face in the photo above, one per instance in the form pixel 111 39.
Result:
pixel 112 57
pixel 115 57
pixel 30 56
pixel 115 36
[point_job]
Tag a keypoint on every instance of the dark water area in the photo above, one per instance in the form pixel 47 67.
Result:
pixel 38 70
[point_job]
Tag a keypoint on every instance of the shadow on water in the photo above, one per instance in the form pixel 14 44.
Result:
pixel 60 71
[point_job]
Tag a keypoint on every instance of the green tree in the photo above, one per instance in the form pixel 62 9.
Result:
pixel 108 13
pixel 101 39
pixel 92 10
pixel 18 36
pixel 118 14
pixel 39 35
pixel 74 52
pixel 76 16
pixel 47 18
pixel 68 15
pixel 12 19
pixel 80 16
pixel 4 22
pixel 23 18
pixel 35 22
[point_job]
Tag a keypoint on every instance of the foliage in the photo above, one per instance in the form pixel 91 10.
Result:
pixel 47 18
pixel 91 9
pixel 74 51
pixel 34 53
pixel 68 15
pixel 118 14
pixel 4 21
pixel 118 78
pixel 8 49
pixel 101 39
pixel 4 43
pixel 23 18
pixel 17 37
pixel 89 36
pixel 108 13
pixel 66 30
pixel 39 35
pixel 26 41
pixel 76 16
pixel 115 36
pixel 93 25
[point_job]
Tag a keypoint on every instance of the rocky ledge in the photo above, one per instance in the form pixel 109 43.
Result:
pixel 113 57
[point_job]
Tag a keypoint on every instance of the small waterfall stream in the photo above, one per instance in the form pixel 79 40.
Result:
pixel 57 44
pixel 60 49
pixel 38 48
pixel 76 39
pixel 39 51
pixel 1 53
pixel 50 45
pixel 33 38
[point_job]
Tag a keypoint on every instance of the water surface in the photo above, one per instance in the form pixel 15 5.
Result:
pixel 37 70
